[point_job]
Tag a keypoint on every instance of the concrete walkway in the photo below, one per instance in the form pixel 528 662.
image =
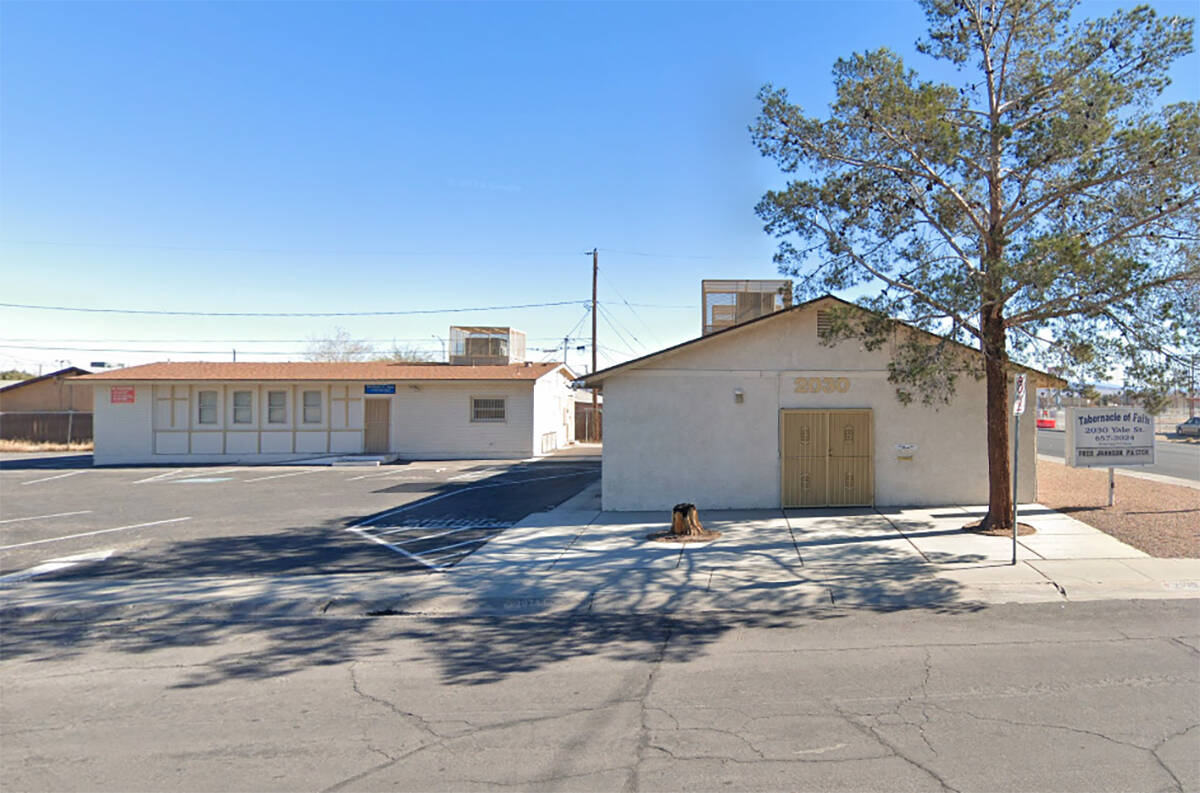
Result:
pixel 578 558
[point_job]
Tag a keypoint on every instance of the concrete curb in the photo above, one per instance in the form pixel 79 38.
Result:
pixel 575 560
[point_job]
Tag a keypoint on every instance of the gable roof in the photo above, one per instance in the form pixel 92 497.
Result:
pixel 310 370
pixel 70 371
pixel 1046 379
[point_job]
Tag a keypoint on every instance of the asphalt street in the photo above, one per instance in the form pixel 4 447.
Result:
pixel 62 518
pixel 1054 697
pixel 1180 459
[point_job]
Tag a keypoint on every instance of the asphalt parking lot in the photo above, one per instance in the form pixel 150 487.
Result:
pixel 60 517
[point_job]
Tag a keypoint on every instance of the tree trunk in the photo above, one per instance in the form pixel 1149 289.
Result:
pixel 999 475
pixel 685 521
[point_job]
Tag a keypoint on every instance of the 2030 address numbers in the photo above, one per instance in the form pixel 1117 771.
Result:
pixel 822 385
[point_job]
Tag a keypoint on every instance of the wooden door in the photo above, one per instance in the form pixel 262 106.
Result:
pixel 377 423
pixel 826 458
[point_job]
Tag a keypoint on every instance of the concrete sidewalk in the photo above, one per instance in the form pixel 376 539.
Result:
pixel 578 558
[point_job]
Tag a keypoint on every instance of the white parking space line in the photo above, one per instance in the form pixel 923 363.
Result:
pixel 157 477
pixel 43 517
pixel 424 536
pixel 280 476
pixel 456 545
pixel 58 476
pixel 395 548
pixel 388 475
pixel 53 565
pixel 91 533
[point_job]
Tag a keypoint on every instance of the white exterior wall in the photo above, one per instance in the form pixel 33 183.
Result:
pixel 121 432
pixel 553 412
pixel 428 419
pixel 435 421
pixel 674 433
pixel 166 428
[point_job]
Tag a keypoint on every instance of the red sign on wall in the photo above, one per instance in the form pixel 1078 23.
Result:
pixel 122 394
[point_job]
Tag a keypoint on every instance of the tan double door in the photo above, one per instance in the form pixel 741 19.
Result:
pixel 377 423
pixel 826 458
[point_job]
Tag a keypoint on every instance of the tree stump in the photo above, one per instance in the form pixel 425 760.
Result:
pixel 685 526
pixel 685 520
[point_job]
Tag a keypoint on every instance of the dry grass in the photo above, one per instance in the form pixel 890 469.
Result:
pixel 43 446
pixel 1162 520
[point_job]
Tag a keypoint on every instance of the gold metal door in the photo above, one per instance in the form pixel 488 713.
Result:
pixel 376 421
pixel 826 458
pixel 805 457
pixel 850 474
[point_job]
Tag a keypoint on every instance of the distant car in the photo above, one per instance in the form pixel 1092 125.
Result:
pixel 1189 427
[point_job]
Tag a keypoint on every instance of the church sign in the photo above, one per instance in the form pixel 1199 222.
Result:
pixel 1110 436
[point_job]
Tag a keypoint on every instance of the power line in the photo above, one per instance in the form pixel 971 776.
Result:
pixel 289 251
pixel 675 255
pixel 418 340
pixel 171 352
pixel 613 322
pixel 608 281
pixel 352 251
pixel 620 336
pixel 410 312
pixel 692 307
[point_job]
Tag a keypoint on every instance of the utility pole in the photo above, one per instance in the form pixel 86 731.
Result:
pixel 1192 390
pixel 595 424
pixel 565 340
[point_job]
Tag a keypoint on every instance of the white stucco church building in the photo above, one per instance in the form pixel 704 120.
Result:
pixel 197 412
pixel 762 414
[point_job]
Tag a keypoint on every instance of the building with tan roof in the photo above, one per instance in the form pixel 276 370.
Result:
pixel 196 412
pixel 761 413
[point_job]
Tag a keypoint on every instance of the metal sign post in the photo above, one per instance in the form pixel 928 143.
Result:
pixel 1018 409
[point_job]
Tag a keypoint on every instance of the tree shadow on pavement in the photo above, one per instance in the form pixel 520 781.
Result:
pixel 626 600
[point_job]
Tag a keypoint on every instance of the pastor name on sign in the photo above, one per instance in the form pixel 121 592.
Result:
pixel 1103 437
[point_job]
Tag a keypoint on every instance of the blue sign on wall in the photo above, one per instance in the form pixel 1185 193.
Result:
pixel 390 388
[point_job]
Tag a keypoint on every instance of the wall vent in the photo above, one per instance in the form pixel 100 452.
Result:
pixel 824 323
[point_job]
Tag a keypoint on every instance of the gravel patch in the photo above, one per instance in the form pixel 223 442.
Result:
pixel 1162 520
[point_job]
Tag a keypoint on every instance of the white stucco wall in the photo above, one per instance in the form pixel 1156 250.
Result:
pixel 673 431
pixel 552 399
pixel 121 432
pixel 435 421
pixel 428 419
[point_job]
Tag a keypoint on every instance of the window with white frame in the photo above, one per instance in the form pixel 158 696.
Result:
pixel 277 407
pixel 207 402
pixel 312 407
pixel 487 409
pixel 243 412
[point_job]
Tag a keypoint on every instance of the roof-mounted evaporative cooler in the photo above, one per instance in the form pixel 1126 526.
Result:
pixel 727 303
pixel 486 346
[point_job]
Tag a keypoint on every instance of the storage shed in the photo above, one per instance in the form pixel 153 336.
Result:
pixel 763 415
pixel 53 407
pixel 273 412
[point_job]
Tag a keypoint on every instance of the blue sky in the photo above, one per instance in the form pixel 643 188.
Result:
pixel 313 157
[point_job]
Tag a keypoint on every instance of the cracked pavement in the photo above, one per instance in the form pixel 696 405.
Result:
pixel 1101 696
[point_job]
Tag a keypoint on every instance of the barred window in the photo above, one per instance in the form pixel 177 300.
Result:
pixel 242 411
pixel 207 401
pixel 487 409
